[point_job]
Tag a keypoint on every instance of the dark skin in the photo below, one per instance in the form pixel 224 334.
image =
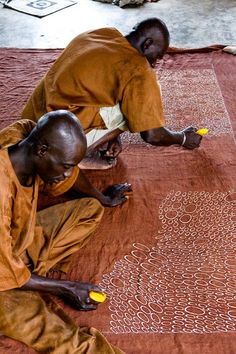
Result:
pixel 61 146
pixel 106 157
pixel 153 45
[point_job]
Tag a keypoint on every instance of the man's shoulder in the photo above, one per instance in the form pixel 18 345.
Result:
pixel 15 132
pixel 104 31
pixel 6 173
pixel 96 37
pixel 3 159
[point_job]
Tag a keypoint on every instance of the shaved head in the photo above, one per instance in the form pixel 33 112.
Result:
pixel 151 38
pixel 58 144
pixel 144 27
pixel 59 128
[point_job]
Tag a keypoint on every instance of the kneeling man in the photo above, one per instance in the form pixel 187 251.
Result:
pixel 45 156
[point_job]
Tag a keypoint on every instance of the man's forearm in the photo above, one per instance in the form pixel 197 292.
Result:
pixel 162 137
pixel 114 195
pixel 43 284
pixel 83 185
pixel 74 293
pixel 105 139
pixel 188 137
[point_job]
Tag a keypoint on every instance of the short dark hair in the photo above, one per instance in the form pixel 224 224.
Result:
pixel 153 22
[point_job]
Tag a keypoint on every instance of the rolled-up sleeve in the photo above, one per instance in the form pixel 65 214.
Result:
pixel 142 104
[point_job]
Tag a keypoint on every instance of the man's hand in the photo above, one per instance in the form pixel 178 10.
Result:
pixel 192 140
pixel 76 294
pixel 165 137
pixel 114 148
pixel 112 196
pixel 115 194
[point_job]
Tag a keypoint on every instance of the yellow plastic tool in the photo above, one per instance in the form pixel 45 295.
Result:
pixel 97 296
pixel 202 132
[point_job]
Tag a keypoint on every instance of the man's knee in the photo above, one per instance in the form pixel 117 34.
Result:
pixel 95 209
pixel 89 209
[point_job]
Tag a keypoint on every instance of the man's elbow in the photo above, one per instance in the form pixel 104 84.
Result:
pixel 152 137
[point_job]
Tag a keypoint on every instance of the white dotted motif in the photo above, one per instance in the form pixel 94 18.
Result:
pixel 186 282
pixel 190 97
pixel 194 97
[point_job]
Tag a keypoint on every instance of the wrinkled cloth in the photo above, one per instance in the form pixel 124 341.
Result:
pixel 137 229
pixel 100 69
pixel 41 324
pixel 37 320
pixel 113 119
pixel 37 242
pixel 18 211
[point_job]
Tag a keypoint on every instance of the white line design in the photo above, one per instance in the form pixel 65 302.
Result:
pixel 186 280
pixel 191 97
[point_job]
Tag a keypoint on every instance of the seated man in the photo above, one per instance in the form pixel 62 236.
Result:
pixel 107 81
pixel 45 156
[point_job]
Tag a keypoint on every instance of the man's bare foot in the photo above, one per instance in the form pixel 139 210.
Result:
pixel 97 161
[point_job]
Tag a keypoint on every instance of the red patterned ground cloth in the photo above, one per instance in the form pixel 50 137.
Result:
pixel 167 257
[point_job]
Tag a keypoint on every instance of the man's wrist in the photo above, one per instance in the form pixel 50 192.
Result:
pixel 64 286
pixel 179 138
pixel 104 200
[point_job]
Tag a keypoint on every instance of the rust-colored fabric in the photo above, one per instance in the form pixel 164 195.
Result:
pixel 18 212
pixel 38 242
pixel 37 320
pixel 42 324
pixel 61 231
pixel 15 132
pixel 173 244
pixel 46 327
pixel 100 69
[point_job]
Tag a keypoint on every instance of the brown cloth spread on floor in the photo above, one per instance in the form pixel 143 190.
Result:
pixel 167 257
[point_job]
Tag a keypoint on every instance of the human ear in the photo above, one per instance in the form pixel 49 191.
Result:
pixel 146 44
pixel 41 150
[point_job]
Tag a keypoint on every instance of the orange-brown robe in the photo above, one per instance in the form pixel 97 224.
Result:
pixel 32 241
pixel 100 69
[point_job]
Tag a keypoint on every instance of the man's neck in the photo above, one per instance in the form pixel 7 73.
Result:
pixel 131 38
pixel 20 157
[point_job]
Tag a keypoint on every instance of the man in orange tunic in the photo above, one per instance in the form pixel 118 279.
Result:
pixel 45 156
pixel 107 80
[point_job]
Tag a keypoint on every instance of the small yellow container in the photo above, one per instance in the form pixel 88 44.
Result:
pixel 202 132
pixel 96 296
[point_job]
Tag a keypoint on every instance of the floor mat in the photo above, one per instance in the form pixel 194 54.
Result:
pixel 39 8
pixel 167 257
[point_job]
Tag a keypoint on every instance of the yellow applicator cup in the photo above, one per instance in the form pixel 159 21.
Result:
pixel 97 296
pixel 202 132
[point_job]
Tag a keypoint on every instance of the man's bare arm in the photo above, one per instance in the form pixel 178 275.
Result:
pixel 109 137
pixel 112 196
pixel 74 293
pixel 165 137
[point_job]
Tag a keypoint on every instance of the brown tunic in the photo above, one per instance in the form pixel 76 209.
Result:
pixel 100 69
pixel 18 205
pixel 62 230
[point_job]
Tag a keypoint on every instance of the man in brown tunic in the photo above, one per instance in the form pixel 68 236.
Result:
pixel 45 156
pixel 107 80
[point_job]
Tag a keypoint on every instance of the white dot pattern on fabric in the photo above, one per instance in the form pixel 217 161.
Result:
pixel 194 97
pixel 185 282
pixel 190 97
